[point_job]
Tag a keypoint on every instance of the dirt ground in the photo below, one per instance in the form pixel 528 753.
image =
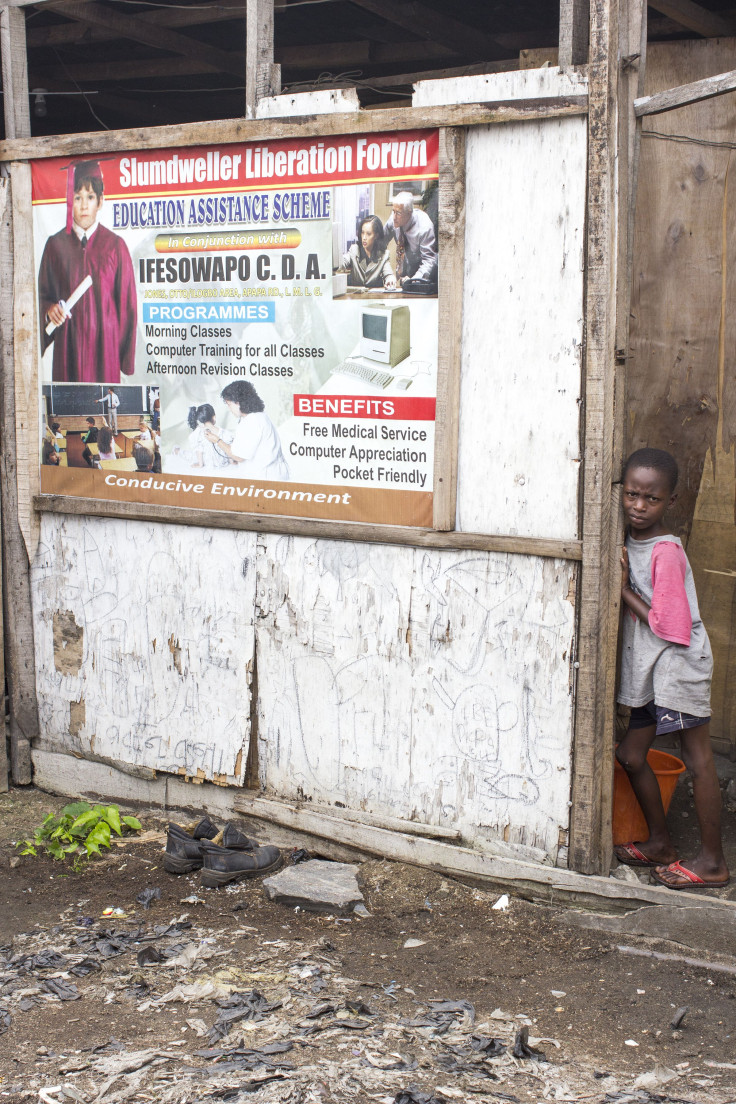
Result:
pixel 343 1007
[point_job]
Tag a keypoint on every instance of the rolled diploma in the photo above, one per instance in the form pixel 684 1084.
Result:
pixel 75 296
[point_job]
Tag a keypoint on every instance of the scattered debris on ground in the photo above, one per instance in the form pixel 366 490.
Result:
pixel 426 995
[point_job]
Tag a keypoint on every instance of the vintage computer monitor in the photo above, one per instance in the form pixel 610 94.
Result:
pixel 384 333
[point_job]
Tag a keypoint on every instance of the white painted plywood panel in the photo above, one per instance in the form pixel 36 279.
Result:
pixel 522 329
pixel 426 685
pixel 144 642
pixel 512 85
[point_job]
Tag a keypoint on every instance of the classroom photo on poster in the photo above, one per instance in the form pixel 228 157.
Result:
pixel 258 322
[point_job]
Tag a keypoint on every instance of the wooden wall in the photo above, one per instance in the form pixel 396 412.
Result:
pixel 681 381
pixel 428 685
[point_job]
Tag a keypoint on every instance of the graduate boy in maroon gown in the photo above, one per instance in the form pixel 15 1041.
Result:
pixel 95 341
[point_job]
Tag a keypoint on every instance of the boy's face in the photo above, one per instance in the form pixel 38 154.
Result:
pixel 646 496
pixel 86 206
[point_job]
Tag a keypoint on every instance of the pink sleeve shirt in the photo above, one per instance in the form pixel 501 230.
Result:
pixel 670 617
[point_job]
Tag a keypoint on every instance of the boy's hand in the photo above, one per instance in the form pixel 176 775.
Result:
pixel 624 567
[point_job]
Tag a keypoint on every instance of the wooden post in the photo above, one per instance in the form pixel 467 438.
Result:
pixel 590 835
pixel 262 77
pixel 452 254
pixel 16 331
pixel 632 65
pixel 574 32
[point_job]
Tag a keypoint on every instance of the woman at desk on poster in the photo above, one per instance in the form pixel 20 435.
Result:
pixel 256 447
pixel 367 262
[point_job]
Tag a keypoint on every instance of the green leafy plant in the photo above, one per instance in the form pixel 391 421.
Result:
pixel 80 829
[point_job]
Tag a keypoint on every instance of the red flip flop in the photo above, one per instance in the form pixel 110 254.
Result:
pixel 630 855
pixel 689 879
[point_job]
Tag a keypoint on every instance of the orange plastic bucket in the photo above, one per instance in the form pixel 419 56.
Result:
pixel 628 819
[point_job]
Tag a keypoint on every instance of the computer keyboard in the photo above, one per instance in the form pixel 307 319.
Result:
pixel 364 372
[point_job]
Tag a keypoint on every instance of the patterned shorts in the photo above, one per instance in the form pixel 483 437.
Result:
pixel 666 720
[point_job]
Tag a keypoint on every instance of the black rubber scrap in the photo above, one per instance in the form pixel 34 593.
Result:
pixel 412 1095
pixel 522 1048
pixel 148 895
pixel 86 966
pixel 149 956
pixel 64 990
pixel 240 1006
pixel 487 1046
pixel 5 1020
pixel 459 1008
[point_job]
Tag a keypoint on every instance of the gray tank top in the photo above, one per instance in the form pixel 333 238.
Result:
pixel 676 676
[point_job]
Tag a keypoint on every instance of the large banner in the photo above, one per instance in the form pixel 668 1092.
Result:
pixel 243 327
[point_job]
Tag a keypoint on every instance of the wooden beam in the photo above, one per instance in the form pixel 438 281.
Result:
pixel 451 276
pixel 632 69
pixel 590 831
pixel 695 17
pixel 686 94
pixel 307 527
pixel 249 130
pixel 428 23
pixel 16 330
pixel 20 668
pixel 15 73
pixel 160 38
pixel 262 76
pixel 574 32
pixel 64 34
pixel 291 58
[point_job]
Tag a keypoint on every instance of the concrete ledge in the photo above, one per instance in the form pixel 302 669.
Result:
pixel 291 824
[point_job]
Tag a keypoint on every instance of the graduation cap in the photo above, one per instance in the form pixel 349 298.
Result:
pixel 77 171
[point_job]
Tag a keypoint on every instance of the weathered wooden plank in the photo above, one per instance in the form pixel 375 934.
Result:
pixel 330 530
pixel 370 697
pixel 25 355
pixel 251 130
pixel 15 73
pixel 451 274
pixel 161 38
pixel 590 843
pixel 14 461
pixel 632 47
pixel 146 657
pixel 574 32
pixel 522 336
pixel 695 17
pixel 262 807
pixel 59 78
pixel 18 620
pixel 682 390
pixel 686 94
pixel 262 77
pixel 64 33
pixel 64 774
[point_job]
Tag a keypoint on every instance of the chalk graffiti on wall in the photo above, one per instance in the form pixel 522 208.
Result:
pixel 426 685
pixel 164 664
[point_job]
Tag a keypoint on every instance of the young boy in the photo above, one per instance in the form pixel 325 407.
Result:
pixel 666 669
pixel 95 341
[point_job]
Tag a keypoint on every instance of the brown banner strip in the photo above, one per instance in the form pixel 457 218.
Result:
pixel 297 500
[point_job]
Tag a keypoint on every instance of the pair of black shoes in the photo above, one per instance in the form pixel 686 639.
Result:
pixel 223 856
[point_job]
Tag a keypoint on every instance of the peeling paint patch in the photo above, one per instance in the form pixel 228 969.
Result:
pixel 176 652
pixel 68 643
pixel 77 717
